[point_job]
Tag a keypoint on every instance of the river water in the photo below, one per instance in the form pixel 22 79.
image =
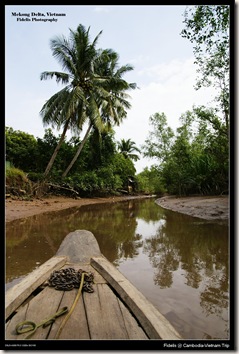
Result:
pixel 180 263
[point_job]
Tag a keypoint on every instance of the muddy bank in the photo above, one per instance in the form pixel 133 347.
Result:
pixel 209 208
pixel 204 207
pixel 18 209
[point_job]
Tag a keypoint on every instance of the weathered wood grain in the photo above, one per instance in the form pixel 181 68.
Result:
pixel 103 313
pixel 76 326
pixel 19 292
pixel 20 316
pixel 133 329
pixel 43 306
pixel 79 246
pixel 154 323
pixel 40 308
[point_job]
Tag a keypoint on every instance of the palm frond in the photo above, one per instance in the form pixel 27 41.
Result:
pixel 60 77
pixel 63 50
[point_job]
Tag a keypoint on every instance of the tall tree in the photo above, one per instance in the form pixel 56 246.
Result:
pixel 128 148
pixel 68 107
pixel 208 27
pixel 109 100
pixel 159 142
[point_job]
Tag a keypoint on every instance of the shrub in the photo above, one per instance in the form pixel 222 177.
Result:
pixel 17 181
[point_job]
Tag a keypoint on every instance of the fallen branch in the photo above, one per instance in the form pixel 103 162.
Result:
pixel 61 187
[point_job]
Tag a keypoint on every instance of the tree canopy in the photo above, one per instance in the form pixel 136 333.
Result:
pixel 94 91
pixel 208 28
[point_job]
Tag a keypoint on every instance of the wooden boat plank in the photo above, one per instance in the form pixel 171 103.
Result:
pixel 76 326
pixel 40 308
pixel 10 328
pixel 18 293
pixel 79 246
pixel 103 313
pixel 154 323
pixel 134 330
pixel 43 306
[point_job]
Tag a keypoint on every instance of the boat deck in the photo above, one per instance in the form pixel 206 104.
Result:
pixel 97 315
pixel 114 310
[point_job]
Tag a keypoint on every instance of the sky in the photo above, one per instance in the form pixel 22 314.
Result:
pixel 145 36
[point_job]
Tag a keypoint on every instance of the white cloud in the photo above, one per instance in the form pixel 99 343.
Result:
pixel 166 70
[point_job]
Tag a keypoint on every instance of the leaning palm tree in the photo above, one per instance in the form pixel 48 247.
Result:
pixel 127 147
pixel 109 102
pixel 68 107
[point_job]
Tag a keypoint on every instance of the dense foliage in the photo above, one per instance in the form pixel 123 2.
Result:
pixel 101 168
pixel 195 159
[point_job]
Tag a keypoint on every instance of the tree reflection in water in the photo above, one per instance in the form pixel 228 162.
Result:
pixel 179 262
pixel 163 257
pixel 199 251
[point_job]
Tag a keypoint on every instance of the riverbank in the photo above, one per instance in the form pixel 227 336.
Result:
pixel 18 209
pixel 204 207
pixel 209 208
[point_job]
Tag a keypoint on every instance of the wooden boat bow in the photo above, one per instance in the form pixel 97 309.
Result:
pixel 116 309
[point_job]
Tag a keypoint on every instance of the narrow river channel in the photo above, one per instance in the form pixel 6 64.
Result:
pixel 180 263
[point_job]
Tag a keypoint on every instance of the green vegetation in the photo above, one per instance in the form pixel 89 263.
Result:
pixel 192 159
pixel 94 93
pixel 101 169
pixel 128 148
pixel 207 27
pixel 195 160
pixel 17 182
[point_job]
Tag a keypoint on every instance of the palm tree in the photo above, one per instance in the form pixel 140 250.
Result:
pixel 108 102
pixel 68 107
pixel 127 147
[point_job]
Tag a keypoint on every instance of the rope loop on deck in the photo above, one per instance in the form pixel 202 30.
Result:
pixel 30 326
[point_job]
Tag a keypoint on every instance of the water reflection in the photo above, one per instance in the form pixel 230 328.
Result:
pixel 201 255
pixel 180 263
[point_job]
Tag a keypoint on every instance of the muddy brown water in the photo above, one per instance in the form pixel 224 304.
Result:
pixel 180 263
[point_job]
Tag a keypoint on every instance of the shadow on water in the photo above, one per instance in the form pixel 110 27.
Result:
pixel 178 262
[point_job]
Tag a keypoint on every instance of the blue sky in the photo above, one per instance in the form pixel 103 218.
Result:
pixel 147 37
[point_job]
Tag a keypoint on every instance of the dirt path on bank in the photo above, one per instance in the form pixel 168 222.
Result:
pixel 210 208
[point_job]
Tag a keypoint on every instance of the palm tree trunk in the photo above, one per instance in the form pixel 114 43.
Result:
pixel 78 151
pixel 50 163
